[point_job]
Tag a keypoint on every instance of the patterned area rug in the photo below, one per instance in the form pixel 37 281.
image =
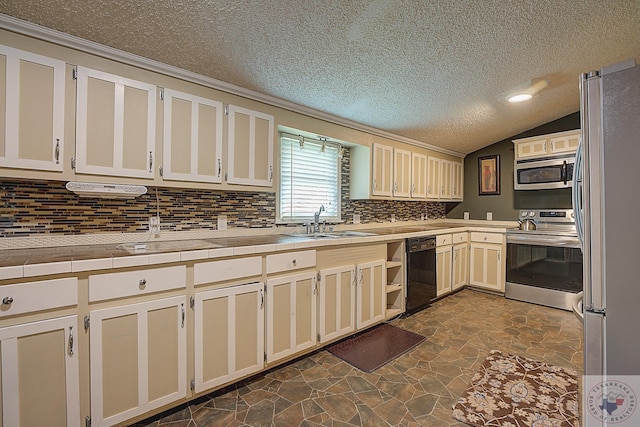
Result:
pixel 512 391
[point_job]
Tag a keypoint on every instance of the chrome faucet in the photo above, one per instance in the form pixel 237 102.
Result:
pixel 316 219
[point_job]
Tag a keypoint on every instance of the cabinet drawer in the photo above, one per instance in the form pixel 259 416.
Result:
pixel 35 296
pixel 443 239
pixel 460 238
pixel 290 261
pixel 132 283
pixel 229 269
pixel 486 237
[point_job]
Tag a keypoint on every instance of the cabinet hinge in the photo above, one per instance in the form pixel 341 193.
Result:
pixel 226 110
pixel 192 385
pixel 74 73
pixel 318 277
pixel 73 163
pixel 192 302
pixel 226 176
pixel 161 171
pixel 318 337
pixel 265 357
pixel 161 94
pixel 86 322
pixel 87 421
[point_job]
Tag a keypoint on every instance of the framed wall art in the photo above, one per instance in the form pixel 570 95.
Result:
pixel 489 175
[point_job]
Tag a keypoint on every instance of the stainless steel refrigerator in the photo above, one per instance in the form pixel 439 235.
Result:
pixel 607 201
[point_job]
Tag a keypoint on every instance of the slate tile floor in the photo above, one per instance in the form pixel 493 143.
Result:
pixel 416 389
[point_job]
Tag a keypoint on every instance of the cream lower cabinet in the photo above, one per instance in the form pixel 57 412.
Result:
pixel 443 270
pixel 486 262
pixel 371 298
pixel 40 374
pixel 229 334
pixel 137 359
pixel 336 303
pixel 291 314
pixel 460 276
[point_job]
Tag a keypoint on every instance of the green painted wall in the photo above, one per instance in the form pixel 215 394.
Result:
pixel 505 206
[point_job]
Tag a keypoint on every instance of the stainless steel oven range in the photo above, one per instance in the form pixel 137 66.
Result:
pixel 544 266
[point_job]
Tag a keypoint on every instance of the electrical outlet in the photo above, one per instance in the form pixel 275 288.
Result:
pixel 356 218
pixel 466 215
pixel 489 216
pixel 222 222
pixel 154 225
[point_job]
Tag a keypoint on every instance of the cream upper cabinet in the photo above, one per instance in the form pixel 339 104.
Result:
pixel 433 177
pixel 457 181
pixel 32 90
pixel 115 125
pixel 192 138
pixel 382 170
pixel 401 173
pixel 229 334
pixel 547 145
pixel 445 179
pixel 137 358
pixel 418 176
pixel 250 147
pixel 336 301
pixel 371 298
pixel 291 315
pixel 40 373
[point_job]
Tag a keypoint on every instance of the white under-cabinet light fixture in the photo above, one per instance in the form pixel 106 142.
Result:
pixel 106 191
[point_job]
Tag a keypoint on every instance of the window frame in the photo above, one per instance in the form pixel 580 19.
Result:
pixel 280 219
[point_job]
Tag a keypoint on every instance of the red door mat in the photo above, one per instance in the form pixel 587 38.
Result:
pixel 376 347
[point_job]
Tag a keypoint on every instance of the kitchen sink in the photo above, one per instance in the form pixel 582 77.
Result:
pixel 333 234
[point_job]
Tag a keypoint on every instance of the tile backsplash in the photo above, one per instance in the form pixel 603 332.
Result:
pixel 45 207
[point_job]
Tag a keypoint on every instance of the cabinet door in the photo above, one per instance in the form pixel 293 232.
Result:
pixel 445 179
pixel 457 180
pixel 337 302
pixel 460 266
pixel 192 142
pixel 564 144
pixel 382 171
pixel 137 359
pixel 443 270
pixel 418 176
pixel 493 268
pixel 250 147
pixel 31 92
pixel 229 334
pixel 401 173
pixel 291 315
pixel 485 266
pixel 115 125
pixel 532 148
pixel 371 293
pixel 40 374
pixel 433 178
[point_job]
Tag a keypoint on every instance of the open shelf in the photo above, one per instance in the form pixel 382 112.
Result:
pixel 393 312
pixel 394 263
pixel 393 287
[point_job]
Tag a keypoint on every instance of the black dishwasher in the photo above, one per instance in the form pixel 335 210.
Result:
pixel 421 273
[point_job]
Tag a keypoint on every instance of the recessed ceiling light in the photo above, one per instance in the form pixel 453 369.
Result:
pixel 520 97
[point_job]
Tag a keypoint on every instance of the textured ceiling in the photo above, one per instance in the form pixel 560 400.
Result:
pixel 434 71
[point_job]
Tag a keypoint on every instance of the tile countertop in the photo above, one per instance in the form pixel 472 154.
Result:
pixel 29 262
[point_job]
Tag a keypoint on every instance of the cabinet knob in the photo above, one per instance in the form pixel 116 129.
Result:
pixel 7 300
pixel 143 282
pixel 294 261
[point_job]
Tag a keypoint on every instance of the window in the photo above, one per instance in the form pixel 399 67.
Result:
pixel 309 178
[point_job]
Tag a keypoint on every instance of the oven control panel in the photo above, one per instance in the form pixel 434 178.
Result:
pixel 563 216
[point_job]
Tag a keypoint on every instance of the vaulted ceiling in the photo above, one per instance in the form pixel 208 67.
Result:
pixel 431 70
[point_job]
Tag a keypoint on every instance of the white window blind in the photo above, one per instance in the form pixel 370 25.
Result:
pixel 309 178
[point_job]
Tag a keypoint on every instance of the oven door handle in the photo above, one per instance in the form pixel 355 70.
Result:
pixel 554 241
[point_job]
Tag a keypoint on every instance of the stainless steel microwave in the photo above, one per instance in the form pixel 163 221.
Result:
pixel 536 174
